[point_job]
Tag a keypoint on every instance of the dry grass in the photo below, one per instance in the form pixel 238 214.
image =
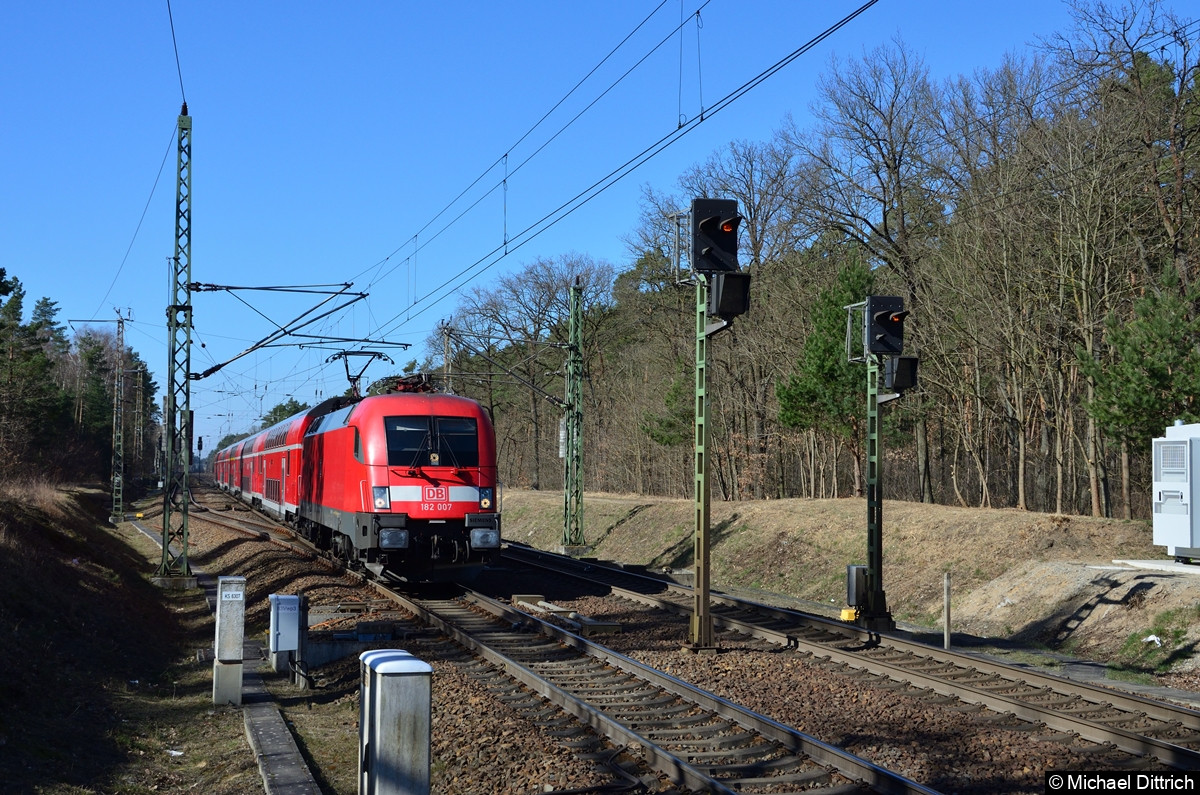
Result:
pixel 1040 579
pixel 39 494
pixel 101 689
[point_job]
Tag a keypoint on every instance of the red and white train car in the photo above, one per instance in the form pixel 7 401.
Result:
pixel 403 483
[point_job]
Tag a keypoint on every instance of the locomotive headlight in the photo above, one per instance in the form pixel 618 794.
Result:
pixel 487 498
pixel 383 500
pixel 485 538
pixel 393 538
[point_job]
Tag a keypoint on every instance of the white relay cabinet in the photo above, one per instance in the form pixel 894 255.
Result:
pixel 1176 497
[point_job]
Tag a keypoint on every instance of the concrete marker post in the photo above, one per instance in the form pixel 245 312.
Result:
pixel 227 657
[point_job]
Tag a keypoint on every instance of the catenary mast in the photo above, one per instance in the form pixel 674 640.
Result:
pixel 178 414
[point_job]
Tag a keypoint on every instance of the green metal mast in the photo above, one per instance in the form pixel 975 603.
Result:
pixel 573 458
pixel 702 628
pixel 177 419
pixel 876 616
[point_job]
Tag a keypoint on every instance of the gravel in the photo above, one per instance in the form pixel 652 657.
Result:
pixel 479 743
pixel 946 747
pixel 482 745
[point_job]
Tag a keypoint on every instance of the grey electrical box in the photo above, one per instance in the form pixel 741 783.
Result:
pixel 285 622
pixel 1176 495
pixel 394 720
pixel 856 585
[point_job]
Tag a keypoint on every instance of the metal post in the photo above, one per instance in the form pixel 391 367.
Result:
pixel 174 570
pixel 702 635
pixel 573 460
pixel 876 616
pixel 446 359
pixel 946 610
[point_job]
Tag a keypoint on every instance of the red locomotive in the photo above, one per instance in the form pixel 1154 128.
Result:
pixel 403 483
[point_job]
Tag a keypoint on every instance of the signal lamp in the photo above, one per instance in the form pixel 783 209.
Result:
pixel 884 330
pixel 714 235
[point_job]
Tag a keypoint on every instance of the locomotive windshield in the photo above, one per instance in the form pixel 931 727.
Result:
pixel 432 441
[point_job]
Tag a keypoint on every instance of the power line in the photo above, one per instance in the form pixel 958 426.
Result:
pixel 533 230
pixel 133 239
pixel 504 157
pixel 547 221
pixel 178 68
pixel 584 196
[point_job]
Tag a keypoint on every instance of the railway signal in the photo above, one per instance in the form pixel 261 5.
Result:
pixel 728 294
pixel 885 324
pixel 900 373
pixel 715 225
pixel 715 235
pixel 722 291
pixel 879 323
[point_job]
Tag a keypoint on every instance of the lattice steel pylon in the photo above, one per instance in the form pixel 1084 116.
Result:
pixel 177 417
pixel 118 440
pixel 138 434
pixel 573 460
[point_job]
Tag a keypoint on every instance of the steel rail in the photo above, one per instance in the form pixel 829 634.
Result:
pixel 834 648
pixel 1128 741
pixel 675 768
pixel 1131 702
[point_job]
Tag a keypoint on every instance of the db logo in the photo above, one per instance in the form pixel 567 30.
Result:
pixel 436 494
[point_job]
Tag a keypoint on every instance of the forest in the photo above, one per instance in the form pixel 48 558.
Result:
pixel 56 391
pixel 1038 220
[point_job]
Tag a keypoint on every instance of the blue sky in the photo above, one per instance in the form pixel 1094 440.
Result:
pixel 327 135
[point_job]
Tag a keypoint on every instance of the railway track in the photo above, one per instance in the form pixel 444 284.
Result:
pixel 596 678
pixel 1142 727
pixel 234 516
pixel 684 734
pixel 689 736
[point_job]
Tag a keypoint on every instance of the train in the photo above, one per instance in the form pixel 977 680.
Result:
pixel 400 485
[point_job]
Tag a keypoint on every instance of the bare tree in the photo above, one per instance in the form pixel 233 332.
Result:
pixel 520 322
pixel 869 176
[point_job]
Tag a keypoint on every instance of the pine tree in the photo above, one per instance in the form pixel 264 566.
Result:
pixel 826 392
pixel 1153 378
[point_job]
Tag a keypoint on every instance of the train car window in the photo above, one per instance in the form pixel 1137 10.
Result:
pixel 408 441
pixel 358 455
pixel 458 441
pixel 432 441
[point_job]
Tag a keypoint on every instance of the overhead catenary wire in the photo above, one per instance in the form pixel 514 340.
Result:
pixel 584 196
pixel 162 165
pixel 504 157
pixel 566 208
pixel 175 44
pixel 141 219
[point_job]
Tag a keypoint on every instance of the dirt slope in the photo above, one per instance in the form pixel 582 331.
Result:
pixel 1039 579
